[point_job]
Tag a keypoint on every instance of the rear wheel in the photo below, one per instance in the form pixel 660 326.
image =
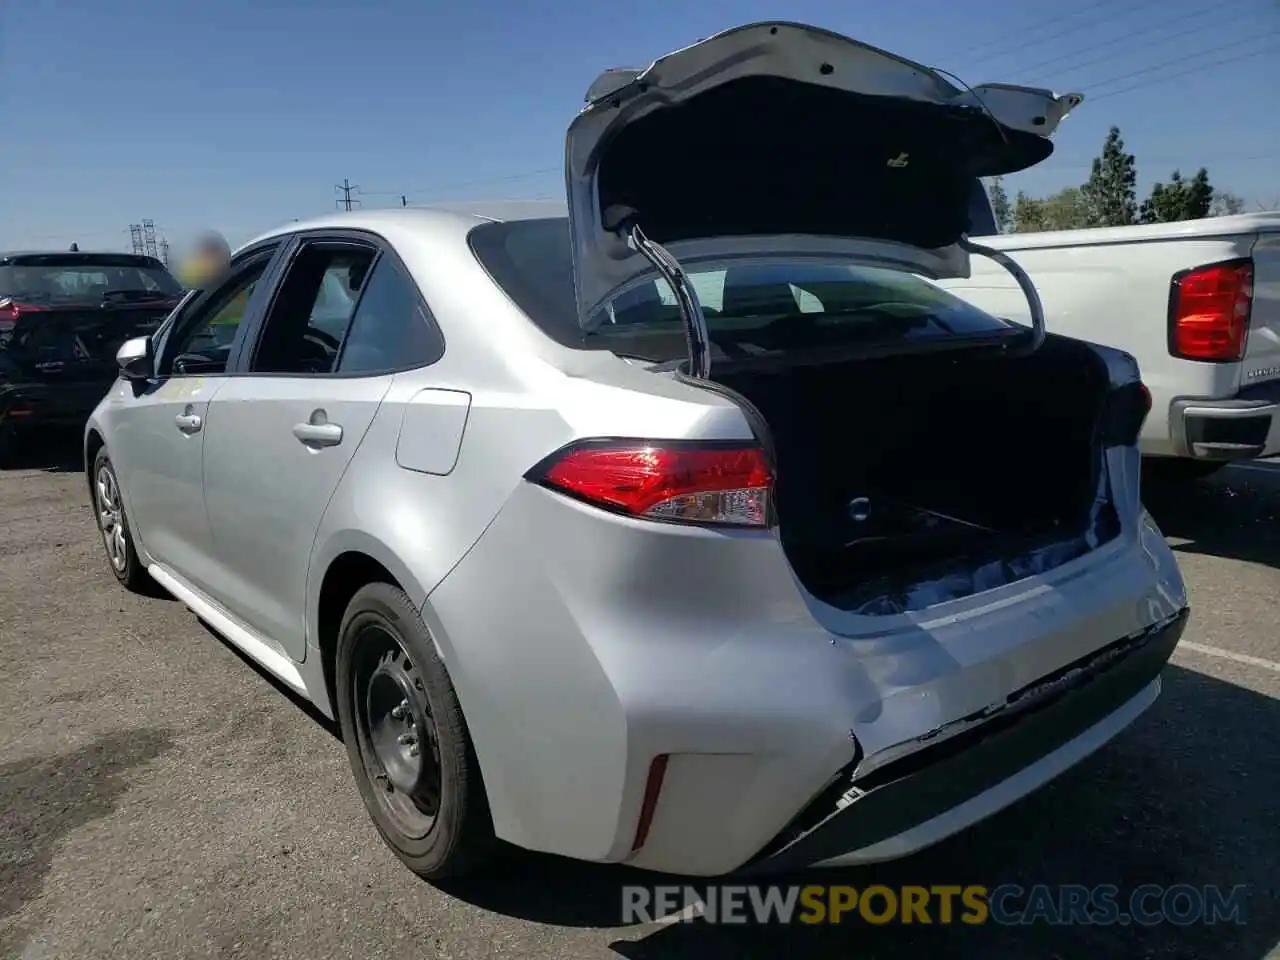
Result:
pixel 117 539
pixel 406 738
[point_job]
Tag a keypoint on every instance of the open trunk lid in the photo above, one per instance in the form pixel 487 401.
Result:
pixel 778 139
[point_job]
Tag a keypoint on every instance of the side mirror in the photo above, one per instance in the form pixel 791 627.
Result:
pixel 136 360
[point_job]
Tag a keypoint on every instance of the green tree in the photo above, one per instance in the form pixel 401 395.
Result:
pixel 1166 202
pixel 1178 199
pixel 1028 213
pixel 1198 198
pixel 1110 195
pixel 1000 206
pixel 1065 210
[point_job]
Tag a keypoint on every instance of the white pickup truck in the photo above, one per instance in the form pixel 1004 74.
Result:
pixel 1197 303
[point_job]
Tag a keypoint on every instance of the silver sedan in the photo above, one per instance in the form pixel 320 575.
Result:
pixel 693 526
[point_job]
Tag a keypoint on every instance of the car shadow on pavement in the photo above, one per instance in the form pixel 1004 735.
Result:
pixel 1186 796
pixel 44 799
pixel 57 451
pixel 303 704
pixel 1232 515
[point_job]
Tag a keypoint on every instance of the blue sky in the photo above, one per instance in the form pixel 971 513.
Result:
pixel 240 115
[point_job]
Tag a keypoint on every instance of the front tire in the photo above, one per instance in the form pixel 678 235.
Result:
pixel 113 525
pixel 406 738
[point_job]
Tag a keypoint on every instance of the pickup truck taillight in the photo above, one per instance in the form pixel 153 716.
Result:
pixel 682 482
pixel 1209 310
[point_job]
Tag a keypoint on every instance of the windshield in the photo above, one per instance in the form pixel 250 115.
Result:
pixel 74 278
pixel 752 308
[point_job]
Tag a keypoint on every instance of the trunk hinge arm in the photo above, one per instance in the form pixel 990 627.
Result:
pixel 695 322
pixel 1024 284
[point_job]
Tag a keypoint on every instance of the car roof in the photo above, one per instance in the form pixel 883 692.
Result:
pixel 63 252
pixel 462 215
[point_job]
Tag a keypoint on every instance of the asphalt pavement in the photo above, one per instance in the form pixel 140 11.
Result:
pixel 161 798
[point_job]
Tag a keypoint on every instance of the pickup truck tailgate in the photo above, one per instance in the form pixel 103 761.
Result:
pixel 1262 351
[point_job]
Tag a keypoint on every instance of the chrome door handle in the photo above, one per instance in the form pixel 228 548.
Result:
pixel 318 434
pixel 188 422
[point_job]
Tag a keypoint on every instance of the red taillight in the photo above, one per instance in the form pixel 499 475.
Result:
pixel 684 482
pixel 8 318
pixel 1209 312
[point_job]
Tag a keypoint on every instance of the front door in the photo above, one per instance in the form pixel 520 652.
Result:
pixel 160 429
pixel 281 435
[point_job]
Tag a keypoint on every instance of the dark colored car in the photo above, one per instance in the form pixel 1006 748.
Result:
pixel 62 317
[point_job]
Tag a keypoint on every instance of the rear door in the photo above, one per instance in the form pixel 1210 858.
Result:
pixel 284 430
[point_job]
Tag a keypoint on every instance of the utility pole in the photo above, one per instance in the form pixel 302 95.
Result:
pixel 149 238
pixel 164 251
pixel 346 189
pixel 135 235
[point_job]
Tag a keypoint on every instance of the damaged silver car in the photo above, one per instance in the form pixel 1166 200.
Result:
pixel 698 529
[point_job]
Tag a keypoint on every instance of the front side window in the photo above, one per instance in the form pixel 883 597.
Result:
pixel 390 329
pixel 202 343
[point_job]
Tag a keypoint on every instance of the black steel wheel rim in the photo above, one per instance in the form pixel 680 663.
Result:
pixel 399 742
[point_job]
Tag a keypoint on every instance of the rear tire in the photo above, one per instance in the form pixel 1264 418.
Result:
pixel 113 525
pixel 407 741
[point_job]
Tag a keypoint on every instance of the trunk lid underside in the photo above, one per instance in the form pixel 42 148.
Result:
pixel 778 138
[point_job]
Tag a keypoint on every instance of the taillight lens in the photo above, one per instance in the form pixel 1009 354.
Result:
pixel 8 318
pixel 706 483
pixel 1209 312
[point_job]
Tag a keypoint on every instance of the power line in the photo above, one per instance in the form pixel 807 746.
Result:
pixel 1178 62
pixel 1130 39
pixel 1024 40
pixel 1196 69
pixel 346 189
pixel 1020 35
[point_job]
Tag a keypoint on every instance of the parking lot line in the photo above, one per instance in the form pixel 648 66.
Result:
pixel 1244 658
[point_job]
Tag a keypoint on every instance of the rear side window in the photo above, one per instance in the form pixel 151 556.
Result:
pixel 760 307
pixel 390 329
pixel 532 261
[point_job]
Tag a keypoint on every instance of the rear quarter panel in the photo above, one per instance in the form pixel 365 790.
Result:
pixel 1113 293
pixel 419 511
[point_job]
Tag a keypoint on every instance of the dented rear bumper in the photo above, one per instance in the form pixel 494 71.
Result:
pixel 930 794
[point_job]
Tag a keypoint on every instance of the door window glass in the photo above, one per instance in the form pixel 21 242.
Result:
pixel 308 320
pixel 202 342
pixel 390 330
